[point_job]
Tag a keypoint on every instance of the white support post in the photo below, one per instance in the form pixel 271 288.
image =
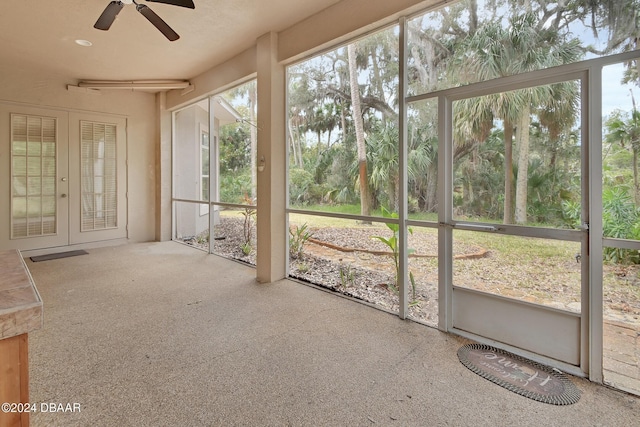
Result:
pixel 403 253
pixel 213 166
pixel 164 194
pixel 271 215
pixel 445 214
pixel 592 325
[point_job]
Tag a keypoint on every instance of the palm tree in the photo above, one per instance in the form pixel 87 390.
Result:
pixel 365 202
pixel 495 51
pixel 383 158
pixel 422 164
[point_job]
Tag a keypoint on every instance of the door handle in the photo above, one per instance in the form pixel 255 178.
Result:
pixel 63 195
pixel 474 227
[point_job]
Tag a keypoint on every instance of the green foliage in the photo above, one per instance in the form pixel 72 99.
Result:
pixel 549 188
pixel 298 237
pixel 303 267
pixel 458 44
pixel 479 178
pixel 571 213
pixel 235 148
pixel 246 248
pixel 341 175
pixel 249 215
pixel 203 237
pixel 300 181
pixel 347 275
pixel 382 156
pixel 303 188
pixel 621 220
pixel 392 244
pixel 234 186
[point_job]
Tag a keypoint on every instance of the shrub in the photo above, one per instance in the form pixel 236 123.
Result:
pixel 620 220
pixel 303 189
pixel 298 237
pixel 234 186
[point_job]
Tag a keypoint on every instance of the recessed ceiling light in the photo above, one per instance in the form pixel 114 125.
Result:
pixel 83 42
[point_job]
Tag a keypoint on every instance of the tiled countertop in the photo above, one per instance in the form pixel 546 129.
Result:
pixel 20 302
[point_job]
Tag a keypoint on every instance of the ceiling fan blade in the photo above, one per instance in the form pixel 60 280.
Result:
pixel 158 22
pixel 181 3
pixel 108 15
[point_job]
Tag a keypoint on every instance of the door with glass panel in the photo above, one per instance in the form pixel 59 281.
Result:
pixel 97 167
pixel 518 200
pixel 35 203
pixel 66 175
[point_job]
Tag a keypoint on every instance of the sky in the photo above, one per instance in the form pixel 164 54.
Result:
pixel 615 94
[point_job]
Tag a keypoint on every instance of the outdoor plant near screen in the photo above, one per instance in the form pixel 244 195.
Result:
pixel 248 225
pixel 298 237
pixel 392 243
pixel 347 275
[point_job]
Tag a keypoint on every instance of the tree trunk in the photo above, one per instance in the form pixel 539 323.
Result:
pixel 292 138
pixel 343 121
pixel 431 194
pixel 636 185
pixel 365 199
pixel 523 165
pixel 508 173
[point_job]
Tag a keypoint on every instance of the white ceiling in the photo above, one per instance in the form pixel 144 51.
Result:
pixel 42 34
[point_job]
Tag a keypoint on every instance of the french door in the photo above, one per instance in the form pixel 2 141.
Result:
pixel 65 175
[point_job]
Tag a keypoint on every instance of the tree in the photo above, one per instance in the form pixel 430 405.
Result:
pixel 625 130
pixel 365 199
pixel 422 163
pixel 383 158
pixel 249 90
pixel 495 51
pixel 441 50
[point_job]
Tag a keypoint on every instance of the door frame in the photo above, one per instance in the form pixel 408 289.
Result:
pixel 61 237
pixel 76 235
pixel 558 336
pixel 591 321
pixel 68 151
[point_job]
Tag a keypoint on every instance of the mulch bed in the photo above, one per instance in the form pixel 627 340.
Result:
pixel 350 261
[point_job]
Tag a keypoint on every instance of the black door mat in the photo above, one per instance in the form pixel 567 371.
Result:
pixel 519 375
pixel 58 255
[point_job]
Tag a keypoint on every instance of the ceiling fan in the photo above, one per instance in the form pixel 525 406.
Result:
pixel 111 11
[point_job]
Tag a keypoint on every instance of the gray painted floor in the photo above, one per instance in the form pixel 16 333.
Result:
pixel 160 334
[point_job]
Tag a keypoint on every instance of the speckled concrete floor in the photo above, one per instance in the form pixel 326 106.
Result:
pixel 160 334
